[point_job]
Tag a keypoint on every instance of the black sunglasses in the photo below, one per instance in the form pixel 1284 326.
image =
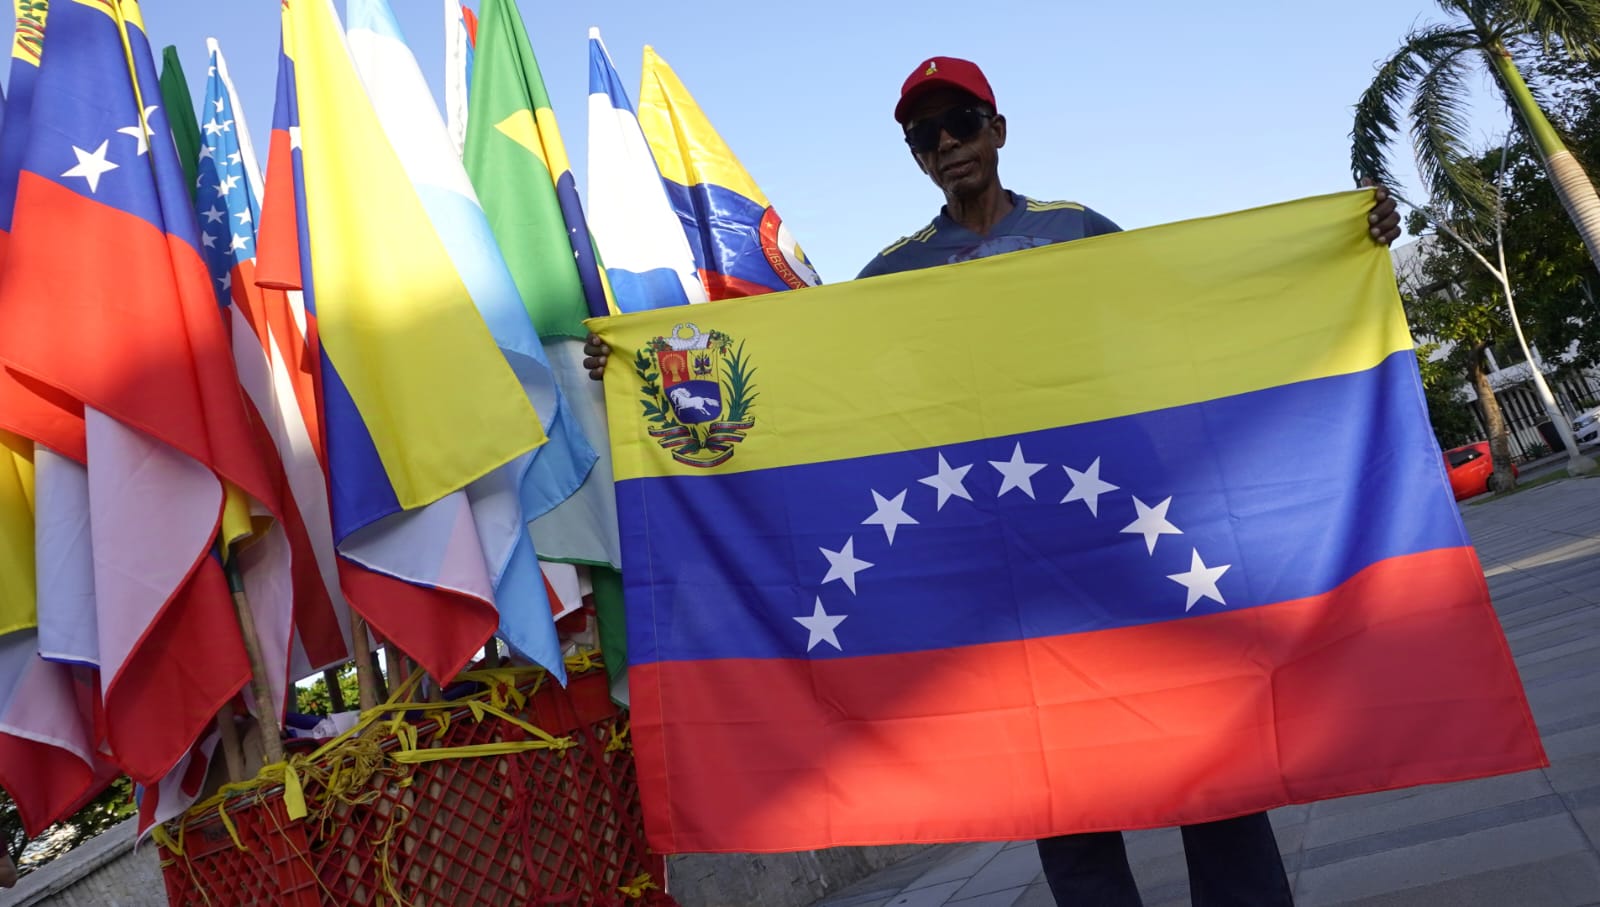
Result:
pixel 961 122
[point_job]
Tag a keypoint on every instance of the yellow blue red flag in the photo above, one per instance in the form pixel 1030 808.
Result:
pixel 741 246
pixel 892 578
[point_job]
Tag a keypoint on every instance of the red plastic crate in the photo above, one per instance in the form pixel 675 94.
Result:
pixel 535 827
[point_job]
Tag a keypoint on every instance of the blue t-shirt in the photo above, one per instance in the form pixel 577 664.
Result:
pixel 1029 225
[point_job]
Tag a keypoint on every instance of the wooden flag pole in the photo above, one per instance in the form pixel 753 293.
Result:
pixel 366 669
pixel 260 687
pixel 336 703
pixel 232 753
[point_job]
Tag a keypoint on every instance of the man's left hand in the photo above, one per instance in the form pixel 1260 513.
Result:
pixel 1383 222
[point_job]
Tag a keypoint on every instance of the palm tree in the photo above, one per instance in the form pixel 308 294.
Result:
pixel 1432 69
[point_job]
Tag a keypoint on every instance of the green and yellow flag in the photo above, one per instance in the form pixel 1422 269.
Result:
pixel 518 165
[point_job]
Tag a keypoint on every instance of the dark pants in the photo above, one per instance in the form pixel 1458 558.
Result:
pixel 1232 863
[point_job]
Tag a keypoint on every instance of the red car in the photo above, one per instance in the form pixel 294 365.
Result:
pixel 1471 470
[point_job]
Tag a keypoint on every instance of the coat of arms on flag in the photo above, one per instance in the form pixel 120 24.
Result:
pixel 697 394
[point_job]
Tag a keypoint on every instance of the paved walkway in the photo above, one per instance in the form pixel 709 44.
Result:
pixel 1527 840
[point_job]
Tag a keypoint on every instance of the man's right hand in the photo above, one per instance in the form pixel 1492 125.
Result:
pixel 596 354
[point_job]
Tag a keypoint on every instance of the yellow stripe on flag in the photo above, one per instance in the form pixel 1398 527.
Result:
pixel 1073 333
pixel 18 590
pixel 441 404
pixel 686 147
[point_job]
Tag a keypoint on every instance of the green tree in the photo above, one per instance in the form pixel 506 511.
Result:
pixel 314 699
pixel 1557 290
pixel 1448 408
pixel 1433 68
pixel 1455 302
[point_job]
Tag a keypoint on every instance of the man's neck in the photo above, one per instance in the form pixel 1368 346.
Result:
pixel 979 213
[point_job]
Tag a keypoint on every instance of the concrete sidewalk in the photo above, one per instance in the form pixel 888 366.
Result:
pixel 1527 839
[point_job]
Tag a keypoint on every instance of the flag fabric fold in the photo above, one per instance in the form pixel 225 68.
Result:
pixel 741 246
pixel 505 501
pixel 951 593
pixel 416 398
pixel 648 259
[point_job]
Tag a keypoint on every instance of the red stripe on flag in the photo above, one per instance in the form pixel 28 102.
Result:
pixel 726 286
pixel 168 693
pixel 441 629
pixel 136 336
pixel 1399 677
pixel 278 236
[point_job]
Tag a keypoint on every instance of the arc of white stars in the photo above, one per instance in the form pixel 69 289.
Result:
pixel 891 513
pixel 843 565
pixel 1152 523
pixel 140 131
pixel 1200 581
pixel 949 482
pixel 822 626
pixel 1016 473
pixel 92 165
pixel 1087 486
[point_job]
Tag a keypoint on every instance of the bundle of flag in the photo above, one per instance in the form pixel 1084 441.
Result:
pixel 741 246
pixel 103 215
pixel 932 590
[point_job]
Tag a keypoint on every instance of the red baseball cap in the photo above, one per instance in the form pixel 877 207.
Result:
pixel 943 72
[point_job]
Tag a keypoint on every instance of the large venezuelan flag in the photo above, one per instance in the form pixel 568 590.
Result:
pixel 1183 551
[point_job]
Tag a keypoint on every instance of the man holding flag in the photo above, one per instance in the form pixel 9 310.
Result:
pixel 950 122
pixel 948 115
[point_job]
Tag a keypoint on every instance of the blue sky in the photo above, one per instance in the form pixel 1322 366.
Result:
pixel 1149 112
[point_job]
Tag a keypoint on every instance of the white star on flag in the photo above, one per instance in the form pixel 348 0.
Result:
pixel 238 242
pixel 891 513
pixel 1152 523
pixel 92 165
pixel 207 240
pixel 227 184
pixel 235 157
pixel 1087 486
pixel 1201 581
pixel 212 127
pixel 139 131
pixel 948 482
pixel 244 216
pixel 1016 473
pixel 214 215
pixel 219 103
pixel 821 625
pixel 226 281
pixel 844 565
pixel 206 152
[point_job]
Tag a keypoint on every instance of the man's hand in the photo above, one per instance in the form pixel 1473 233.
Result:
pixel 1383 223
pixel 596 352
